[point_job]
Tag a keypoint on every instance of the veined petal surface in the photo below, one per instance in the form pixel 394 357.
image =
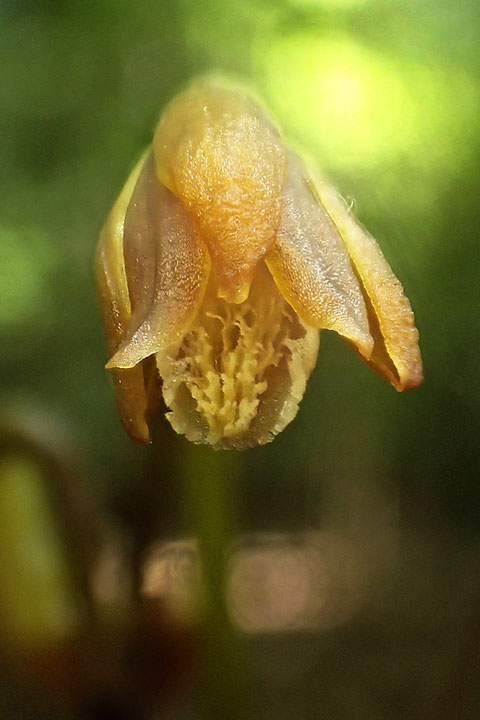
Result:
pixel 167 268
pixel 311 266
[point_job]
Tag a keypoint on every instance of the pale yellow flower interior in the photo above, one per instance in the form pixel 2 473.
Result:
pixel 237 377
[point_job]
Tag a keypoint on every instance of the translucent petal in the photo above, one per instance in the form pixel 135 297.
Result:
pixel 311 266
pixel 116 313
pixel 167 268
pixel 396 355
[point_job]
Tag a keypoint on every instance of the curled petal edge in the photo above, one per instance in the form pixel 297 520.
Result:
pixel 396 353
pixel 130 393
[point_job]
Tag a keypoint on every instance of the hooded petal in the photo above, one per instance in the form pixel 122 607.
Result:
pixel 311 266
pixel 221 155
pixel 396 354
pixel 116 313
pixel 167 268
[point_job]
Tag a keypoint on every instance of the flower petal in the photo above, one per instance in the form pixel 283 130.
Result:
pixel 116 313
pixel 220 154
pixel 167 267
pixel 311 266
pixel 396 355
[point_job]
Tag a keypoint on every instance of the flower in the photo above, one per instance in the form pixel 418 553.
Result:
pixel 222 259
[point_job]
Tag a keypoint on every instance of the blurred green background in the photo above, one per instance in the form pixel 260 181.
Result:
pixel 385 94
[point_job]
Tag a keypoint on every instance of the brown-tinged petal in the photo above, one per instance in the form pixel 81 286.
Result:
pixel 167 268
pixel 311 266
pixel 116 312
pixel 220 154
pixel 396 354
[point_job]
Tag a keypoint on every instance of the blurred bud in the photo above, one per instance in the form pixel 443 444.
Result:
pixel 223 258
pixel 37 598
pixel 49 536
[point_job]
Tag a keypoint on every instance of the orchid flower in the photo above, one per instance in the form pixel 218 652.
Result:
pixel 222 259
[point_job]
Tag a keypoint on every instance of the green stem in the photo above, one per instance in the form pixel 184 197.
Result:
pixel 211 481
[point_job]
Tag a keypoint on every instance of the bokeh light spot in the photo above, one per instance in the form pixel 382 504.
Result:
pixel 333 4
pixel 357 108
pixel 32 563
pixel 25 261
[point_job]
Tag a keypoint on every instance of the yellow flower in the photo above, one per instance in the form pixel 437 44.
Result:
pixel 222 259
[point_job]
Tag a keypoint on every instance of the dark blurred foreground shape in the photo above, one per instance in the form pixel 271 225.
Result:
pixel 348 550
